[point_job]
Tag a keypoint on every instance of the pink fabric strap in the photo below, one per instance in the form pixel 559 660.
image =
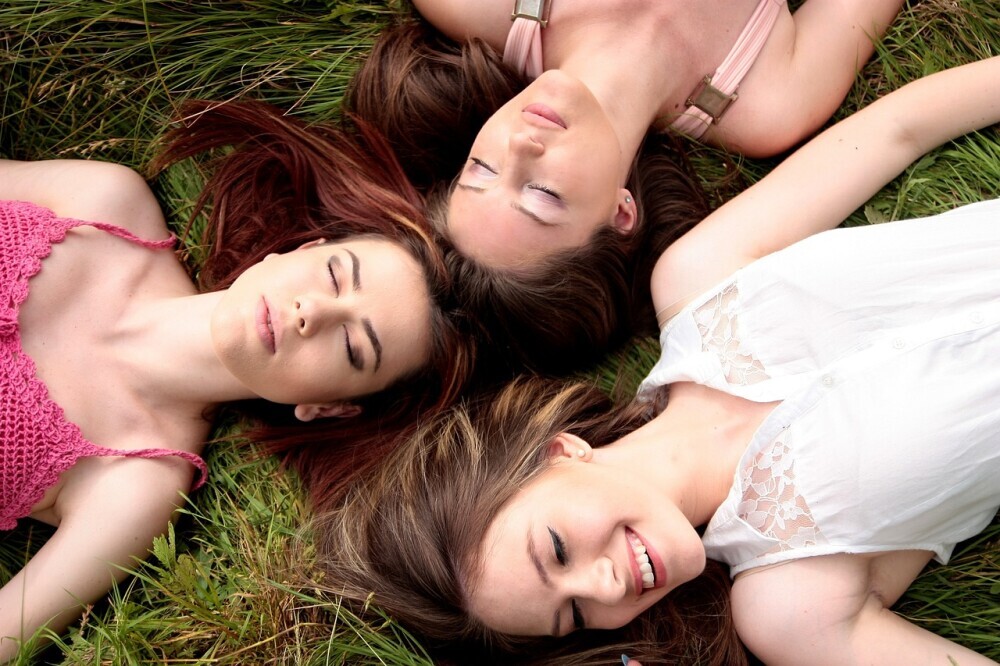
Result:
pixel 727 78
pixel 523 50
pixel 196 460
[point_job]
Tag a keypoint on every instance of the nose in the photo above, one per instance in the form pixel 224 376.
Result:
pixel 524 144
pixel 599 583
pixel 314 312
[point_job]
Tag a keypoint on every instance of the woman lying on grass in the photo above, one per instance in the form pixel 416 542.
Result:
pixel 552 180
pixel 324 307
pixel 831 426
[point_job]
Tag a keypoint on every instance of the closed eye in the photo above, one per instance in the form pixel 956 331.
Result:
pixel 578 622
pixel 479 166
pixel 333 276
pixel 353 355
pixel 550 194
pixel 558 547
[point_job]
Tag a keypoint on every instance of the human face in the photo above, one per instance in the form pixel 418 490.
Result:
pixel 545 172
pixel 326 322
pixel 566 552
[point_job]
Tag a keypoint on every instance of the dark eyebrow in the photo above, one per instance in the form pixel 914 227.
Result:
pixel 513 204
pixel 356 269
pixel 376 345
pixel 533 554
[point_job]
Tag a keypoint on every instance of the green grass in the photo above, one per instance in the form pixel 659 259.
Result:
pixel 100 79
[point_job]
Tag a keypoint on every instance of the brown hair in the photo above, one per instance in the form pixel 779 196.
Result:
pixel 409 538
pixel 429 96
pixel 577 304
pixel 284 184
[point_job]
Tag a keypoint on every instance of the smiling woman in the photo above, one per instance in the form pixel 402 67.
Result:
pixel 794 429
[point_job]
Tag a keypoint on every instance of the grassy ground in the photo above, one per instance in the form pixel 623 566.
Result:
pixel 99 79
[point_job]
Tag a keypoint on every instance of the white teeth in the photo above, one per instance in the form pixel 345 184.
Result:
pixel 642 559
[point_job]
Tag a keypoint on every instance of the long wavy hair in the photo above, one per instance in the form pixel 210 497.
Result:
pixel 430 97
pixel 285 183
pixel 409 539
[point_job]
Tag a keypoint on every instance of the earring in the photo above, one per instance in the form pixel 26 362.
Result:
pixel 580 453
pixel 628 199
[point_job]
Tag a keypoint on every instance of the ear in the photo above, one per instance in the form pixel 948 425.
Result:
pixel 566 446
pixel 626 212
pixel 338 409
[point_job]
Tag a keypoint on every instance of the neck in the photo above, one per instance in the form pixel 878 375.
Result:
pixel 692 448
pixel 612 60
pixel 167 345
pixel 630 103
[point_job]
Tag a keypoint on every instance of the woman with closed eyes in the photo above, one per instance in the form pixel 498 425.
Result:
pixel 822 420
pixel 320 315
pixel 554 178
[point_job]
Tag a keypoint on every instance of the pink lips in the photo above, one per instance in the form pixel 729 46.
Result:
pixel 265 325
pixel 546 114
pixel 659 571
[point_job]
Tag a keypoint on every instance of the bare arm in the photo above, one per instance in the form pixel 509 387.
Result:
pixel 821 610
pixel 109 521
pixel 462 20
pixel 820 184
pixel 828 43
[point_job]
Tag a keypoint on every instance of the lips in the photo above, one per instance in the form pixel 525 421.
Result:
pixel 545 116
pixel 647 568
pixel 265 325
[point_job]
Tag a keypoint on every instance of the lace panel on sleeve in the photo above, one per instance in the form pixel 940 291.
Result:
pixel 719 327
pixel 771 502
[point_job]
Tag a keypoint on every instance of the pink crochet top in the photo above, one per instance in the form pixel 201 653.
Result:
pixel 37 443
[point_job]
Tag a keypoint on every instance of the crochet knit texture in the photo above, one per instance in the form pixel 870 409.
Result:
pixel 37 443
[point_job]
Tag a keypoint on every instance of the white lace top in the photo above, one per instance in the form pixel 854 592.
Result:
pixel 882 344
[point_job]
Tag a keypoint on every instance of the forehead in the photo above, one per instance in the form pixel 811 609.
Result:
pixel 509 595
pixel 394 298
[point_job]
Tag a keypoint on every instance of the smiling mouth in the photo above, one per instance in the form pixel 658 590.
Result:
pixel 644 571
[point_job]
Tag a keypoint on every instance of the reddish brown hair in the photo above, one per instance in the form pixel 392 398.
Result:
pixel 429 96
pixel 284 184
pixel 409 539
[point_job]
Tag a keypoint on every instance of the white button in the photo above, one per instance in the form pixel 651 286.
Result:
pixel 827 381
pixel 976 317
pixel 898 343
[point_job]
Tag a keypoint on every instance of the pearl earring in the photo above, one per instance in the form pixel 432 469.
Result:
pixel 580 453
pixel 628 199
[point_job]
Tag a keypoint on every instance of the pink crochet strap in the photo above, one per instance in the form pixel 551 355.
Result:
pixel 196 460
pixel 114 230
pixel 727 78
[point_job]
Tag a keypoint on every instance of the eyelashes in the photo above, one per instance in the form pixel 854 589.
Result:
pixel 353 354
pixel 333 276
pixel 559 548
pixel 479 165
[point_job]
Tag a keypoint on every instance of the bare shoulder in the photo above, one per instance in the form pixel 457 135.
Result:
pixel 462 20
pixel 86 189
